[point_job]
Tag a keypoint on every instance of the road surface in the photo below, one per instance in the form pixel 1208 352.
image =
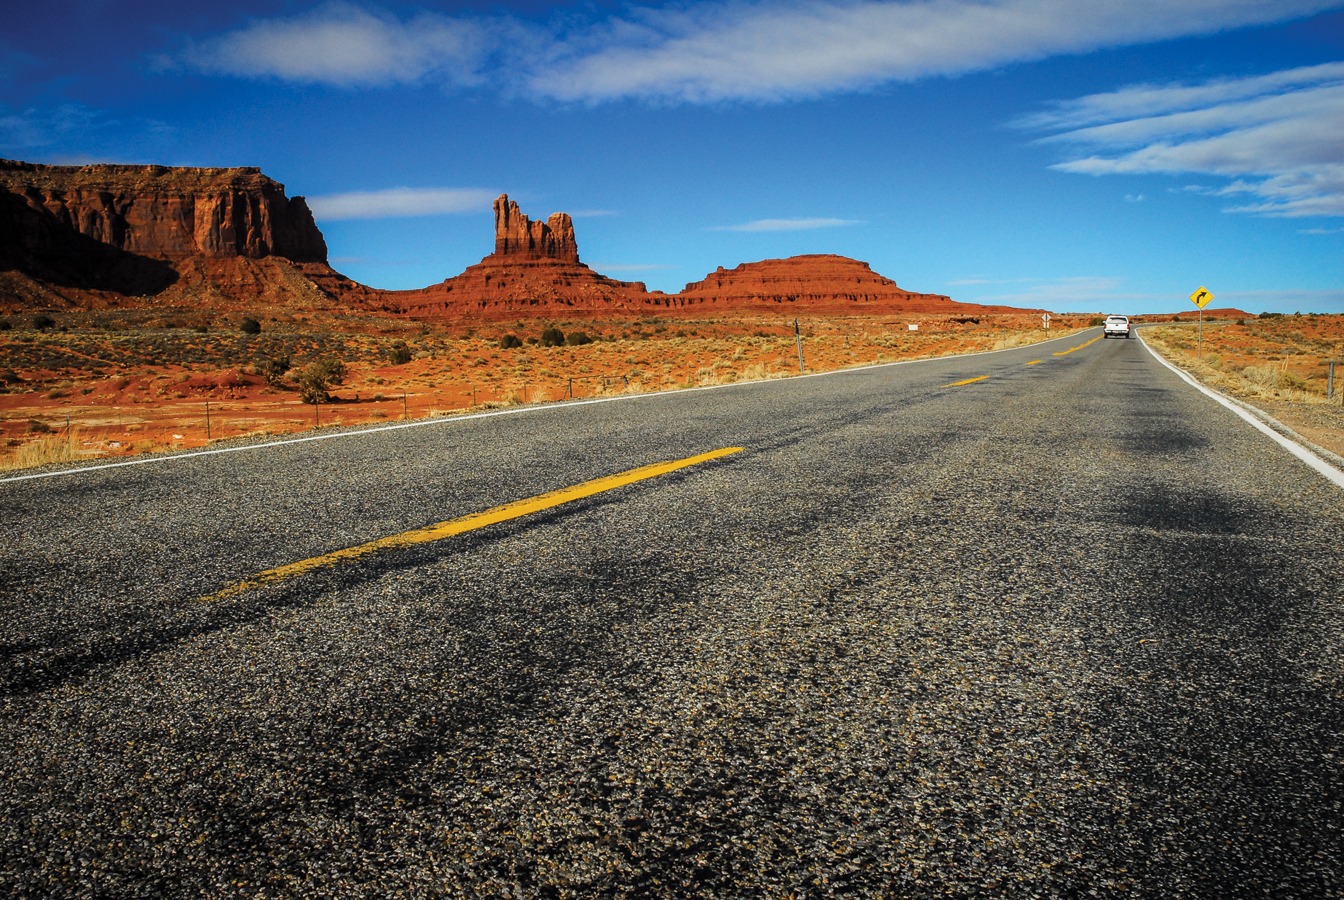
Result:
pixel 1042 622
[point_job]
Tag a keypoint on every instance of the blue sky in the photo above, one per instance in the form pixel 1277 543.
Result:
pixel 1068 154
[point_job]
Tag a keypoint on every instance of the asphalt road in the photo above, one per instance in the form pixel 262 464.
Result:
pixel 1072 629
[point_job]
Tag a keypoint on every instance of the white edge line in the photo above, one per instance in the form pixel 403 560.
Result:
pixel 1331 473
pixel 449 420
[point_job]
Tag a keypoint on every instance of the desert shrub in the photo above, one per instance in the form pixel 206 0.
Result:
pixel 510 342
pixel 250 326
pixel 552 337
pixel 316 379
pixel 37 426
pixel 1265 376
pixel 4 325
pixel 400 354
pixel 43 322
pixel 578 338
pixel 272 368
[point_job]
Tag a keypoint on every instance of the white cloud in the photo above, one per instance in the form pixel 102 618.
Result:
pixel 1277 139
pixel 769 51
pixel 712 50
pixel 787 225
pixel 401 201
pixel 347 46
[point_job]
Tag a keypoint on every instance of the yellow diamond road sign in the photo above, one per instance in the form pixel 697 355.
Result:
pixel 1201 297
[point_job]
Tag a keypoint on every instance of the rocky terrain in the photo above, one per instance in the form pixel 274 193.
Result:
pixel 115 236
pixel 534 268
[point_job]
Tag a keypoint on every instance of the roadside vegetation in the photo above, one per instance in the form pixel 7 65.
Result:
pixel 1265 358
pixel 1278 363
pixel 129 383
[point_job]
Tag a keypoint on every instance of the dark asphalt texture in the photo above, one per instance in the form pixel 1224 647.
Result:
pixel 1073 630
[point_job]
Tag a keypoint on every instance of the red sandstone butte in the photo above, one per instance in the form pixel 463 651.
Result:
pixel 535 269
pixel 817 283
pixel 117 235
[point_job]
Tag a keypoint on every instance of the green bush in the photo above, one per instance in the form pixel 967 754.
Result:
pixel 577 338
pixel 510 342
pixel 273 368
pixel 250 326
pixel 552 337
pixel 400 354
pixel 43 322
pixel 316 379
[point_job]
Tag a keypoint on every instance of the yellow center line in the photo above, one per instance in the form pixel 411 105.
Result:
pixel 463 524
pixel 1034 362
pixel 967 381
pixel 1079 347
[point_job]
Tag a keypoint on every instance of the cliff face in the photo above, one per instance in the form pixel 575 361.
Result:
pixel 519 238
pixel 104 236
pixel 131 229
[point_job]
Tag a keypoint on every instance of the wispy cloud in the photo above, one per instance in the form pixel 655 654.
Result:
pixel 36 128
pixel 348 46
pixel 708 51
pixel 1277 139
pixel 1087 292
pixel 787 225
pixel 401 201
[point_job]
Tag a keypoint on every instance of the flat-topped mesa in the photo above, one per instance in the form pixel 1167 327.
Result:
pixel 517 236
pixel 161 212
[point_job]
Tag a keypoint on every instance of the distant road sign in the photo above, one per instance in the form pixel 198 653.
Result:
pixel 1201 297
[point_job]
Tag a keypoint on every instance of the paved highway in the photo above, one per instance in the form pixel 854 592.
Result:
pixel 1043 622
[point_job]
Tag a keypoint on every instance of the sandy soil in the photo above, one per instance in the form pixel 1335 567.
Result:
pixel 1278 364
pixel 106 388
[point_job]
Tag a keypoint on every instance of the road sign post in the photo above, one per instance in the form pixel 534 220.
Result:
pixel 1201 299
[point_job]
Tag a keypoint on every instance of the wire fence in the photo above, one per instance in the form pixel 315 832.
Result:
pixel 82 427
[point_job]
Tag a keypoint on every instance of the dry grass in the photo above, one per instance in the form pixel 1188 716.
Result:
pixel 42 451
pixel 1279 364
pixel 1262 360
pixel 135 386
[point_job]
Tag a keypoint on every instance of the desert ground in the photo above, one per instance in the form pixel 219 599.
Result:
pixel 110 384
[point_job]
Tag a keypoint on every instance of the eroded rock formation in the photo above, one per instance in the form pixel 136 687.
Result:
pixel 518 237
pixel 103 236
pixel 137 230
pixel 818 281
pixel 535 268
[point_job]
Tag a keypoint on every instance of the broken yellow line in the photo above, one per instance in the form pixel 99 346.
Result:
pixel 1034 362
pixel 1079 347
pixel 967 381
pixel 463 524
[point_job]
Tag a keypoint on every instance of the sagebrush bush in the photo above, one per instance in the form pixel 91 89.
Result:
pixel 317 378
pixel 552 337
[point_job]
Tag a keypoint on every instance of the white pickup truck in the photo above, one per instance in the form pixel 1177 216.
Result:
pixel 1117 326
